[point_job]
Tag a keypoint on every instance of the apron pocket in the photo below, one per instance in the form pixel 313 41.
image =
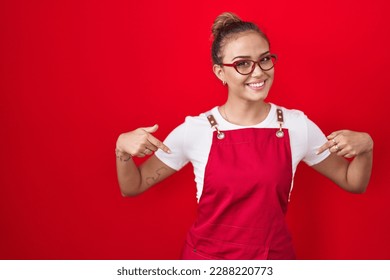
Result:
pixel 219 245
pixel 190 253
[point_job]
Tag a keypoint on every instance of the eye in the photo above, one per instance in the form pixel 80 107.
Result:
pixel 243 63
pixel 265 59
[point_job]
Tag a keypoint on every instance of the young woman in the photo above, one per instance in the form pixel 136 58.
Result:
pixel 244 154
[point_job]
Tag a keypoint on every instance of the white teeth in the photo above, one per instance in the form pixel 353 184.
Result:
pixel 256 84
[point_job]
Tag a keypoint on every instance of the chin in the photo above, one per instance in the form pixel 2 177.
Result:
pixel 256 96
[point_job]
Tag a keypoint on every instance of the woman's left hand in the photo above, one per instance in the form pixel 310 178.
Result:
pixel 347 143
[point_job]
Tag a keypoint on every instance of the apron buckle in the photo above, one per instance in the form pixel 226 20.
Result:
pixel 214 124
pixel 280 132
pixel 220 134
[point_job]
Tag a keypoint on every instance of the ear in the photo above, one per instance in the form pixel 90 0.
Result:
pixel 218 71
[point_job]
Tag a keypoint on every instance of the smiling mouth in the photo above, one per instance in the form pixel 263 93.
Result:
pixel 256 85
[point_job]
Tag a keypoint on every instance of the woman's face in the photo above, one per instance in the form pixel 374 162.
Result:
pixel 252 87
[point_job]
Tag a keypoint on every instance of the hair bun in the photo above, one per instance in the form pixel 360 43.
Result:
pixel 222 21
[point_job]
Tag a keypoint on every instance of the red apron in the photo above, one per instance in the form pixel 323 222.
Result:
pixel 241 213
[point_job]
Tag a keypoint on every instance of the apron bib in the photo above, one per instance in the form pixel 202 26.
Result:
pixel 241 213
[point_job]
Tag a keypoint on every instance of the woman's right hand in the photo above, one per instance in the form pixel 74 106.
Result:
pixel 140 142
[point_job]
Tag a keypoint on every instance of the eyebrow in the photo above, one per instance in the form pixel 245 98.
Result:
pixel 247 56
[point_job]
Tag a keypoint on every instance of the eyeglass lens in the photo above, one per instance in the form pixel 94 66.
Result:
pixel 247 66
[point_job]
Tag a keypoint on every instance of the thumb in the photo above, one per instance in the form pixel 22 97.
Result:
pixel 151 129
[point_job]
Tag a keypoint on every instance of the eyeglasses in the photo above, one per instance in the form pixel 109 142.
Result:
pixel 247 66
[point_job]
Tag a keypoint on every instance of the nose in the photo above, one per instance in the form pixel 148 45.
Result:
pixel 257 71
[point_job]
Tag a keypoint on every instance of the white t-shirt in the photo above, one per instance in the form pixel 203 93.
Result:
pixel 191 141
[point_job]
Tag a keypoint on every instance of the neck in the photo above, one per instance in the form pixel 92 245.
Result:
pixel 245 113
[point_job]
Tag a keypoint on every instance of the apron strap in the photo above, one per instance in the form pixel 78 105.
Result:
pixel 279 114
pixel 221 135
pixel 214 125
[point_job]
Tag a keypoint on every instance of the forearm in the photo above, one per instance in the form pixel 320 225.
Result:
pixel 129 176
pixel 354 175
pixel 359 172
pixel 134 179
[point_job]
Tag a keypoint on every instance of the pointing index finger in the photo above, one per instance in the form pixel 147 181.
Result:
pixel 158 143
pixel 324 147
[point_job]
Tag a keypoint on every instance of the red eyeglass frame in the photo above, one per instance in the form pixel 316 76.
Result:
pixel 234 64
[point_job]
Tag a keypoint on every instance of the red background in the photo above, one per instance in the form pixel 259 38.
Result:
pixel 75 74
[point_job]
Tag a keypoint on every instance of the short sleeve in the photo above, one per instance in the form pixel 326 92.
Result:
pixel 315 139
pixel 175 142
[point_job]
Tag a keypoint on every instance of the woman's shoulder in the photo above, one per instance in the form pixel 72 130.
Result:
pixel 193 125
pixel 296 120
pixel 199 120
pixel 292 117
pixel 292 113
